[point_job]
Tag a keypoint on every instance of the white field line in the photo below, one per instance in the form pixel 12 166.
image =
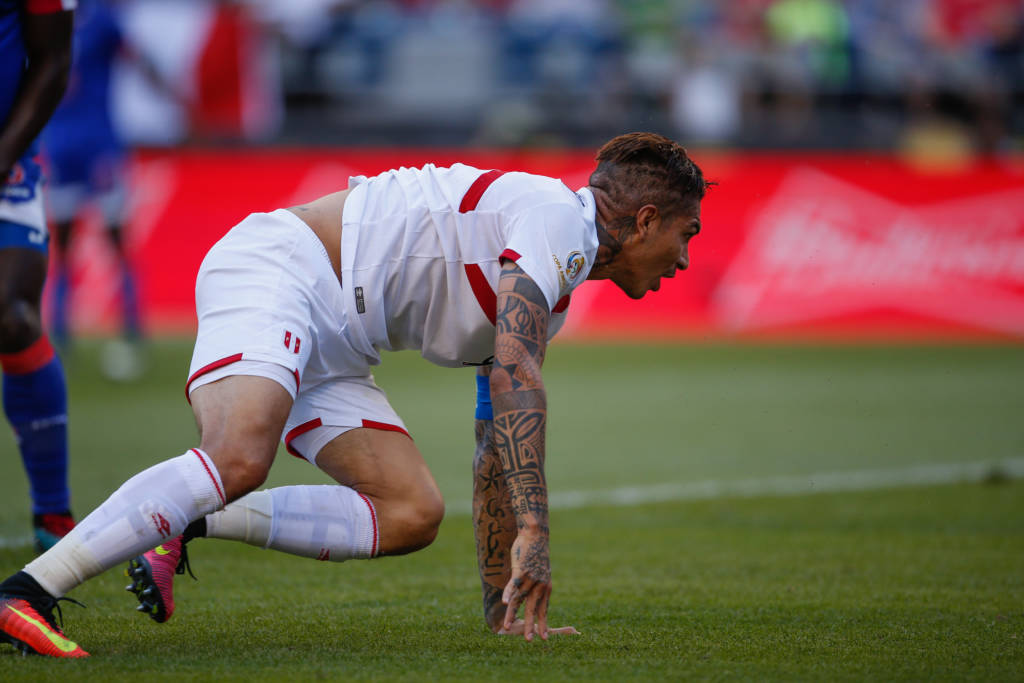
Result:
pixel 822 482
pixel 15 541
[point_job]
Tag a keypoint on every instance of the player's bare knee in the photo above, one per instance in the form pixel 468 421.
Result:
pixel 19 325
pixel 247 475
pixel 430 512
pixel 415 524
pixel 243 465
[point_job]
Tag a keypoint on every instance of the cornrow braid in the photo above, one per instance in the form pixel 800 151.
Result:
pixel 646 168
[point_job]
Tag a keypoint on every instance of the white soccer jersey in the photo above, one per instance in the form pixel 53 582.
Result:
pixel 421 252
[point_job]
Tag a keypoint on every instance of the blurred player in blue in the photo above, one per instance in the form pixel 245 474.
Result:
pixel 35 58
pixel 87 160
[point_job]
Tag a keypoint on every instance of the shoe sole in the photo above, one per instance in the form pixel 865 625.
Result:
pixel 20 645
pixel 145 589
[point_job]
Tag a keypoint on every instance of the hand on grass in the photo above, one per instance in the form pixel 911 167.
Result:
pixel 519 627
pixel 530 584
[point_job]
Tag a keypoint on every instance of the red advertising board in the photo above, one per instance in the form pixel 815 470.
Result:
pixel 793 246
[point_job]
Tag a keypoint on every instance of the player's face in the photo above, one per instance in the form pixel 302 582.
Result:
pixel 657 252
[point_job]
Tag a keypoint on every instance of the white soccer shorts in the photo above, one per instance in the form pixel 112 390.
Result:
pixel 270 305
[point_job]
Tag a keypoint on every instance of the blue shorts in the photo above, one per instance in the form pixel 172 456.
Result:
pixel 22 220
pixel 86 173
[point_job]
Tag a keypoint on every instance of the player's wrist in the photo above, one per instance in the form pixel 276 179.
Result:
pixel 484 409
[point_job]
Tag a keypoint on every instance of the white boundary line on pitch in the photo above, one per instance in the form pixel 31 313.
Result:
pixel 822 482
pixel 7 542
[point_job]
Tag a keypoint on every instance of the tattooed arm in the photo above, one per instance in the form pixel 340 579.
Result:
pixel 495 526
pixel 520 418
pixel 493 520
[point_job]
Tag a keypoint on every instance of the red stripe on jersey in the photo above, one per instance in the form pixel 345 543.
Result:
pixel 38 354
pixel 373 520
pixel 562 304
pixel 48 6
pixel 209 368
pixel 297 380
pixel 206 466
pixel 509 255
pixel 297 432
pixel 485 296
pixel 384 426
pixel 477 189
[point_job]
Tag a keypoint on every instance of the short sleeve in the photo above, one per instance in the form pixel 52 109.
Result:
pixel 549 243
pixel 115 29
pixel 49 6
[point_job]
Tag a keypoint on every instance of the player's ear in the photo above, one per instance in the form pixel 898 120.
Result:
pixel 648 220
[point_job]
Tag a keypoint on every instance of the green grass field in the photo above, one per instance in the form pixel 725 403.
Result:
pixel 750 563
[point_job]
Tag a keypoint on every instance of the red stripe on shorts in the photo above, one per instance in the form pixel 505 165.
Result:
pixel 48 6
pixel 477 189
pixel 297 432
pixel 209 368
pixel 216 485
pixel 384 426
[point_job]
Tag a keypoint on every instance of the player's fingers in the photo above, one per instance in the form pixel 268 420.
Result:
pixel 563 631
pixel 516 630
pixel 510 616
pixel 512 590
pixel 513 597
pixel 530 613
pixel 542 612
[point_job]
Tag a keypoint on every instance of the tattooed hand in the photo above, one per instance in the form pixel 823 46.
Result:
pixel 519 626
pixel 520 421
pixel 530 585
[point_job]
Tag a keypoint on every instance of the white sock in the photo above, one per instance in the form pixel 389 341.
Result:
pixel 151 507
pixel 323 522
pixel 248 519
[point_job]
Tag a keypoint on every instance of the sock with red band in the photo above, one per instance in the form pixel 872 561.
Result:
pixel 150 508
pixel 322 522
pixel 35 402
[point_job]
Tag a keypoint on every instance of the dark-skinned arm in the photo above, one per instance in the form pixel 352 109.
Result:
pixel 47 39
pixel 520 420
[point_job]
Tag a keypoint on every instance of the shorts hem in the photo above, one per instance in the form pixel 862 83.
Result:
pixel 14 235
pixel 221 368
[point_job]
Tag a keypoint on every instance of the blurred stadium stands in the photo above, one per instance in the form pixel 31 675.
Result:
pixel 838 74
pixel 868 151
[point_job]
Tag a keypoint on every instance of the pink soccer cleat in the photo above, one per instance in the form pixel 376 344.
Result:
pixel 152 575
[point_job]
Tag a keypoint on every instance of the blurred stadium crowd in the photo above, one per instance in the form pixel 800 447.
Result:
pixel 850 74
